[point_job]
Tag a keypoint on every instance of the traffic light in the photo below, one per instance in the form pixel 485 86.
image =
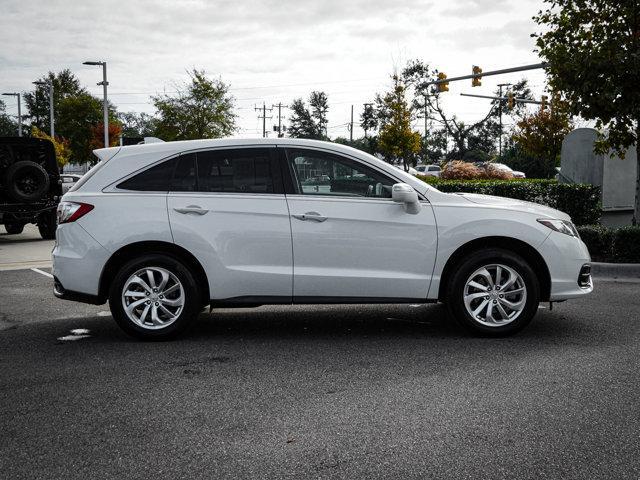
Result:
pixel 443 87
pixel 511 100
pixel 543 102
pixel 477 81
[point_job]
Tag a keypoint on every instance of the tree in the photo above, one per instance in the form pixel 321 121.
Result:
pixel 77 117
pixel 65 84
pixel 593 52
pixel 137 124
pixel 369 119
pixel 309 122
pixel 541 134
pixel 8 127
pixel 60 145
pixel 319 104
pixel 417 75
pixel 202 108
pixel 97 135
pixel 396 139
pixel 366 144
pixel 434 146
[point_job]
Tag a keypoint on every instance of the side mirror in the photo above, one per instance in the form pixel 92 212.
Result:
pixel 404 193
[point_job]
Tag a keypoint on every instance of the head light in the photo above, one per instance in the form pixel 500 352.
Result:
pixel 562 226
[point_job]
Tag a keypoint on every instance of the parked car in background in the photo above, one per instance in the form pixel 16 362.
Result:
pixel 163 230
pixel 515 173
pixel 428 170
pixel 30 187
pixel 68 180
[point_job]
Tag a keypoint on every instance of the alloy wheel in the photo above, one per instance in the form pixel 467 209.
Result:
pixel 153 298
pixel 495 295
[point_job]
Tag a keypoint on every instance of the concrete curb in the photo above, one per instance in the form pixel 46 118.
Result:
pixel 616 271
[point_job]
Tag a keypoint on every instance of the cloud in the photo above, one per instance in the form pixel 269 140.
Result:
pixel 345 48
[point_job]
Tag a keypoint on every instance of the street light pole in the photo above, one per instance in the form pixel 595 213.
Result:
pixel 105 106
pixel 52 129
pixel 17 95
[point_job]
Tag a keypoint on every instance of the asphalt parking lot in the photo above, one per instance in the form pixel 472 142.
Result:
pixel 318 392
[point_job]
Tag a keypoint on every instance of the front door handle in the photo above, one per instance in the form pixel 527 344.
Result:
pixel 313 216
pixel 192 209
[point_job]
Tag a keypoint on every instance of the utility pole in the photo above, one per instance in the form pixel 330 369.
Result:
pixel 264 118
pixel 426 117
pixel 351 126
pixel 280 117
pixel 500 85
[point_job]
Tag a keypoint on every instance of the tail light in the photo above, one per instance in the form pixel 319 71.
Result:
pixel 72 211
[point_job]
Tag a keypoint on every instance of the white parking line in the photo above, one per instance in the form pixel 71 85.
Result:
pixel 46 274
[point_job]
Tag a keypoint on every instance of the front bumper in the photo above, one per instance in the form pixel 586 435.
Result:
pixel 569 266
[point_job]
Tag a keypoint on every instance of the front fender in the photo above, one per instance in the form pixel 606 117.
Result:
pixel 459 225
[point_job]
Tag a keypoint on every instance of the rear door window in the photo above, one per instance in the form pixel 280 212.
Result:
pixel 184 176
pixel 243 170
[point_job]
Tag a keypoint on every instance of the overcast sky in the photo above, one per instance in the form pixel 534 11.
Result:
pixel 271 51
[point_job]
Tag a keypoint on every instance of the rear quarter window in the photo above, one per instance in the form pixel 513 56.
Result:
pixel 154 179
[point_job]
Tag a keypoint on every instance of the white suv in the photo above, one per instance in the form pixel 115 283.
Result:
pixel 163 230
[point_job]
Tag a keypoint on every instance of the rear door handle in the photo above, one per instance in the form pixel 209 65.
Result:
pixel 313 216
pixel 192 209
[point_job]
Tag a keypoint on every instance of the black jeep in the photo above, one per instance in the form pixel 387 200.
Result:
pixel 30 186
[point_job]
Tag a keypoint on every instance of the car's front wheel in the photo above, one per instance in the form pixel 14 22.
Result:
pixel 154 297
pixel 494 292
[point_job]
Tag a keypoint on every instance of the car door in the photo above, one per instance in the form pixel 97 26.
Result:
pixel 227 207
pixel 350 240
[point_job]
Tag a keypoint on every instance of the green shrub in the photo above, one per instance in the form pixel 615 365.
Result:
pixel 580 201
pixel 612 244
pixel 599 241
pixel 626 244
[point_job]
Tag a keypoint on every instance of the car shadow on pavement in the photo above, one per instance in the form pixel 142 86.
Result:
pixel 350 323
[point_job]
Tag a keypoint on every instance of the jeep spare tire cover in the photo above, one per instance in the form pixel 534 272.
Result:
pixel 26 181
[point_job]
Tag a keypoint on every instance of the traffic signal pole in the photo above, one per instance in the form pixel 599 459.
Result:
pixel 481 74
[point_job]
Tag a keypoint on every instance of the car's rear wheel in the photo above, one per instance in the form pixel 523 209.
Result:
pixel 494 292
pixel 154 297
pixel 14 228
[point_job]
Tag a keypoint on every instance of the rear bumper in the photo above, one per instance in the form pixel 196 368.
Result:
pixel 569 263
pixel 60 292
pixel 78 260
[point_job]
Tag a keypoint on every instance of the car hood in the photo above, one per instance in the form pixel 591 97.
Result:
pixel 513 204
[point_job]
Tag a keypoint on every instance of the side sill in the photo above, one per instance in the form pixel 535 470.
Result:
pixel 256 301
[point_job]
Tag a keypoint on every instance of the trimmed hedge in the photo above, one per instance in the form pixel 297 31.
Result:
pixel 626 244
pixel 580 201
pixel 599 241
pixel 612 244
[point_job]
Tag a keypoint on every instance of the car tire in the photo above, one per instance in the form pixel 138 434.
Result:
pixel 26 181
pixel 47 224
pixel 14 228
pixel 154 297
pixel 493 292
